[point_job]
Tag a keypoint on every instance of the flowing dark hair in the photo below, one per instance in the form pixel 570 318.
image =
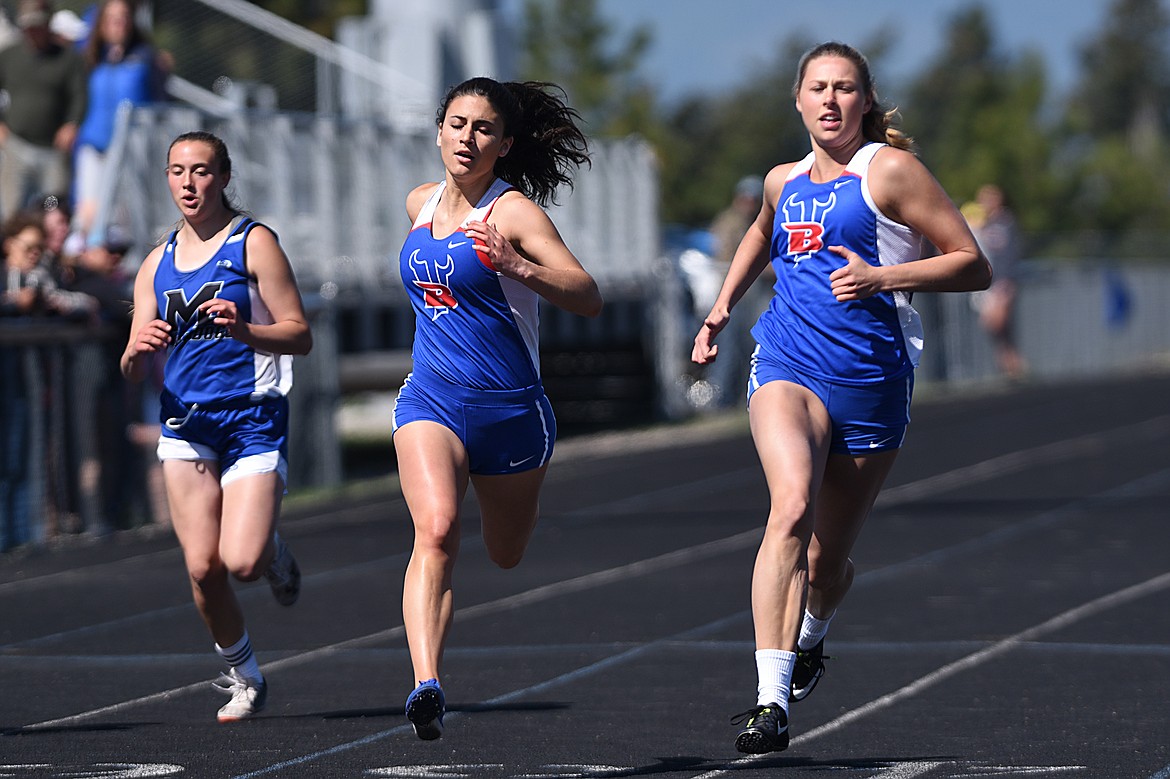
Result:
pixel 218 149
pixel 878 123
pixel 547 144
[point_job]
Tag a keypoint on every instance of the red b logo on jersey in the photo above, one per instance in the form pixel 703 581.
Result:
pixel 804 237
pixel 437 295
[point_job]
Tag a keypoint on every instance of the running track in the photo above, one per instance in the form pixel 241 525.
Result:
pixel 1011 617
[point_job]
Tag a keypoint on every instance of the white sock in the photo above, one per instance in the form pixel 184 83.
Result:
pixel 774 670
pixel 812 630
pixel 239 656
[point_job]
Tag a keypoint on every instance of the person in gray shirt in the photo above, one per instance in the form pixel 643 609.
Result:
pixel 46 85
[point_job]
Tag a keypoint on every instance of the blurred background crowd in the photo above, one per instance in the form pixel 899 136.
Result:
pixel 327 107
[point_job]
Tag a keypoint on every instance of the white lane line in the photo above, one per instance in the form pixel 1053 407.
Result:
pixel 1060 621
pixel 545 592
pixel 508 697
pixel 730 647
pixel 134 563
pixel 577 584
pixel 1014 462
pixel 972 660
pixel 985 470
pixel 243 593
pixel 588 581
pixel 1093 443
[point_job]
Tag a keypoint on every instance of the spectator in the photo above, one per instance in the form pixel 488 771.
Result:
pixel 21 295
pixel 124 69
pixel 60 247
pixel 45 81
pixel 995 228
pixel 30 291
pixel 98 399
pixel 730 225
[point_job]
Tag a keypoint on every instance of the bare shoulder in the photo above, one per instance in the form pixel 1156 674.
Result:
pixel 902 187
pixel 418 196
pixel 896 166
pixel 774 182
pixel 150 265
pixel 262 236
pixel 266 258
pixel 262 242
pixel 514 213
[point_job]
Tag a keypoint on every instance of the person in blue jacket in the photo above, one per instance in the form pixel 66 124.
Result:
pixel 851 231
pixel 124 69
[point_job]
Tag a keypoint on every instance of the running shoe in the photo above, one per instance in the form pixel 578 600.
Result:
pixel 248 697
pixel 284 575
pixel 425 708
pixel 766 730
pixel 809 668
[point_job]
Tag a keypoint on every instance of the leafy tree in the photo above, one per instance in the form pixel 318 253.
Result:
pixel 716 140
pixel 1115 133
pixel 568 43
pixel 977 116
pixel 1125 86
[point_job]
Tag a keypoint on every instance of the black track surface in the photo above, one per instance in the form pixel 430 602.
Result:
pixel 1010 617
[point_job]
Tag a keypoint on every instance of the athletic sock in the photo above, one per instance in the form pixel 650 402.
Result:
pixel 239 656
pixel 812 630
pixel 774 670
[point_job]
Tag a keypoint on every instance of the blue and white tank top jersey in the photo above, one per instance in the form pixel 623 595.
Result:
pixel 474 327
pixel 206 365
pixel 854 342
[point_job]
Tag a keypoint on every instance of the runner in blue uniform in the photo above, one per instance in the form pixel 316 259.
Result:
pixel 219 299
pixel 480 256
pixel 847 231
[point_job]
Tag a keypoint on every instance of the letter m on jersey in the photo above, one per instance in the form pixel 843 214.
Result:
pixel 434 281
pixel 182 309
pixel 804 225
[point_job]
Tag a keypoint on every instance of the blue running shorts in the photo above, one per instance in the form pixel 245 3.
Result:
pixel 243 438
pixel 866 418
pixel 503 431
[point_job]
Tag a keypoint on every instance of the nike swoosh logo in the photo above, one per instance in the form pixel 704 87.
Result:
pixel 874 444
pixel 514 463
pixel 455 244
pixel 840 184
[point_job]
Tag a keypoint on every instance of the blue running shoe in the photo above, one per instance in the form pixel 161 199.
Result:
pixel 425 708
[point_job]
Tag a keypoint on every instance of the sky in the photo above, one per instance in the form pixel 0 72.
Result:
pixel 710 45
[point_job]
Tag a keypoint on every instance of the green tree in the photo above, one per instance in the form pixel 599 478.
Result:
pixel 1115 133
pixel 716 139
pixel 977 116
pixel 1125 82
pixel 568 43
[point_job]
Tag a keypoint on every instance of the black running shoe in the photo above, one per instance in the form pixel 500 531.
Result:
pixel 766 730
pixel 809 668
